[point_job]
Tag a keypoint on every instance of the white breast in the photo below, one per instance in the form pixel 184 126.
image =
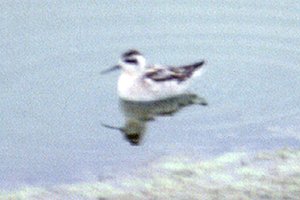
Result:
pixel 134 87
pixel 130 87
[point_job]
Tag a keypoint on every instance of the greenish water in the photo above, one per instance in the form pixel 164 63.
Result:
pixel 238 175
pixel 53 100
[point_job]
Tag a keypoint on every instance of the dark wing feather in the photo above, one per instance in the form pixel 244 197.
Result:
pixel 174 73
pixel 159 74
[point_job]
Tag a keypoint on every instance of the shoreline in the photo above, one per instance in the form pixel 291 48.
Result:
pixel 235 175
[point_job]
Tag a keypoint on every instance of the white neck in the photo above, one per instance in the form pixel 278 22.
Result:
pixel 126 82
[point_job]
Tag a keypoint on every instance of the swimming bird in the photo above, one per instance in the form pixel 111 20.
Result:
pixel 140 81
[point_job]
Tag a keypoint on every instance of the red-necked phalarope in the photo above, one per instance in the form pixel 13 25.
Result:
pixel 142 82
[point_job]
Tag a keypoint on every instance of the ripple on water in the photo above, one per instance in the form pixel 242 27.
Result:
pixel 52 54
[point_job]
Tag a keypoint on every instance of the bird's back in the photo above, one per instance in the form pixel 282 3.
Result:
pixel 179 74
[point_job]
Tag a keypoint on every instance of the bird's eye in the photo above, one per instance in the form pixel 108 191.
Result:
pixel 131 61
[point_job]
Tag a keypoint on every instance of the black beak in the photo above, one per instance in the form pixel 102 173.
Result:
pixel 112 127
pixel 111 69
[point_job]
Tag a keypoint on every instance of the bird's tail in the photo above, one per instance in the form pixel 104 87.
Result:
pixel 195 69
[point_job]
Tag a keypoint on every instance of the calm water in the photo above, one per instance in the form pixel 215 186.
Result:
pixel 53 99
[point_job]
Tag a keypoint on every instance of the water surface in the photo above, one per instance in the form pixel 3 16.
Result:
pixel 53 99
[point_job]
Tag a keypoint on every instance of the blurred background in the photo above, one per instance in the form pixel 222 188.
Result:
pixel 53 98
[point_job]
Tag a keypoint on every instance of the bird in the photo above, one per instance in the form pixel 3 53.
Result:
pixel 140 81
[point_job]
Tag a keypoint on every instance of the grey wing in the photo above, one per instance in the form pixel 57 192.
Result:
pixel 159 74
pixel 179 74
pixel 182 73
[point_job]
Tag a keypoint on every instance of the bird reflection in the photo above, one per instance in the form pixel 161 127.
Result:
pixel 137 114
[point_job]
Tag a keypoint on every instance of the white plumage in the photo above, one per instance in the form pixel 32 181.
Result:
pixel 141 82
